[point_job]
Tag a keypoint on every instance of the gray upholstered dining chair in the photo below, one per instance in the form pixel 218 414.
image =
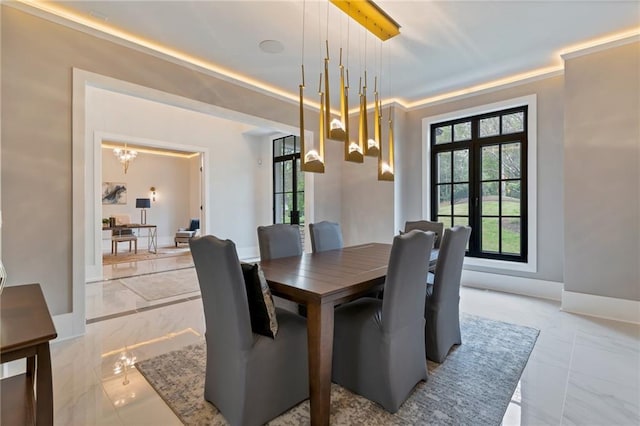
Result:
pixel 280 240
pixel 325 236
pixel 425 225
pixel 378 350
pixel 442 301
pixel 250 378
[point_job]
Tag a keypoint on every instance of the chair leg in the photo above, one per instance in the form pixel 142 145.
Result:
pixel 115 251
pixel 135 245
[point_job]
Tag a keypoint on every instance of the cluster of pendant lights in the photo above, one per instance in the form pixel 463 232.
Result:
pixel 375 20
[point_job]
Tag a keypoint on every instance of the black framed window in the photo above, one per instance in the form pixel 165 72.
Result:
pixel 479 178
pixel 288 182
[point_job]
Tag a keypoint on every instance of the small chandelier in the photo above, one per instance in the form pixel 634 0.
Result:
pixel 125 156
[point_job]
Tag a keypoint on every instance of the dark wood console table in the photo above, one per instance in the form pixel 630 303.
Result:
pixel 25 331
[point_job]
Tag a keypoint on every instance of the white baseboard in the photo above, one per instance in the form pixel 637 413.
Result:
pixel 601 306
pixel 248 252
pixel 93 273
pixel 526 286
pixel 68 326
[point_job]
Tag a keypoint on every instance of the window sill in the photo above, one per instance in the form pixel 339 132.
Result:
pixel 501 265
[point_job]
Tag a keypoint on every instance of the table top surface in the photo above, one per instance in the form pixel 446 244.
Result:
pixel 24 318
pixel 329 275
pixel 128 225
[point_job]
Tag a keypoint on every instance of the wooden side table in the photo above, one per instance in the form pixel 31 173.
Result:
pixel 25 331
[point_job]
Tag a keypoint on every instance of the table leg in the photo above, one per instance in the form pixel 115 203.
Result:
pixel 44 386
pixel 320 345
pixel 152 242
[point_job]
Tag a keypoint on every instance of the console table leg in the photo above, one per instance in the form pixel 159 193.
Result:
pixel 44 386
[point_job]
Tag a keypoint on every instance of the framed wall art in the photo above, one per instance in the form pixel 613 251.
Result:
pixel 114 193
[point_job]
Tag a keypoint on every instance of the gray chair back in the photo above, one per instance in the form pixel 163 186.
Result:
pixel 425 225
pixel 325 236
pixel 442 310
pixel 248 377
pixel 224 296
pixel 408 266
pixel 446 285
pixel 280 240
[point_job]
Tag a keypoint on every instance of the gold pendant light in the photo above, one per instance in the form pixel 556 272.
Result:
pixel 363 128
pixel 372 148
pixel 327 102
pixel 386 169
pixel 313 160
pixel 352 150
pixel 338 127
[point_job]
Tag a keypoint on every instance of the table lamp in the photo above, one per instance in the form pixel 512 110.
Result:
pixel 143 203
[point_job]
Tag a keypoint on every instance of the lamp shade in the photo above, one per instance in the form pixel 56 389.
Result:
pixel 143 203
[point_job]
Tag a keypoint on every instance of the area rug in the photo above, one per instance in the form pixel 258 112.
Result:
pixel 143 254
pixel 472 386
pixel 161 286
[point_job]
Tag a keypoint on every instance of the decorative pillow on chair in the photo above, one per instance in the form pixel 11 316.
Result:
pixel 261 308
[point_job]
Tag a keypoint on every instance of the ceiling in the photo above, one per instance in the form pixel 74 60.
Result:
pixel 443 47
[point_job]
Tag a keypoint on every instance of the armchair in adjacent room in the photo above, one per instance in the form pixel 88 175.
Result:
pixel 183 235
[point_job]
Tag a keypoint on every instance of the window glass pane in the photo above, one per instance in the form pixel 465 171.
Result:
pixel 461 199
pixel 490 234
pixel 489 127
pixel 513 123
pixel 278 177
pixel 460 221
pixel 511 198
pixel 461 165
pixel 301 206
pixel 279 207
pixel 278 147
pixel 299 177
pixel 444 199
pixel 462 131
pixel 443 134
pixel 490 160
pixel 489 203
pixel 288 175
pixel 288 206
pixel 446 220
pixel 289 145
pixel 511 161
pixel 511 235
pixel 444 167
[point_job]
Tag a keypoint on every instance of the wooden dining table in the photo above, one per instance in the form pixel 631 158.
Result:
pixel 321 281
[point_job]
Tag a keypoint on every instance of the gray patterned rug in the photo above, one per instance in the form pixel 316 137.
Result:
pixel 472 386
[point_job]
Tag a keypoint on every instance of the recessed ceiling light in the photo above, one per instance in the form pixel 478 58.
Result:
pixel 271 46
pixel 98 15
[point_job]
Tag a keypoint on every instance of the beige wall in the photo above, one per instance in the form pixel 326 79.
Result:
pixel 37 61
pixel 602 173
pixel 367 204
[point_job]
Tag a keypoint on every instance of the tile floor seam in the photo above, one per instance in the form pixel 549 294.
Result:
pixel 566 384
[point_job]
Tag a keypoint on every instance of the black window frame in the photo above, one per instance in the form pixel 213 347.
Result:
pixel 474 146
pixel 294 219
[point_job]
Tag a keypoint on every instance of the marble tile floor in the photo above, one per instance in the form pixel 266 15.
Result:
pixel 111 298
pixel 583 370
